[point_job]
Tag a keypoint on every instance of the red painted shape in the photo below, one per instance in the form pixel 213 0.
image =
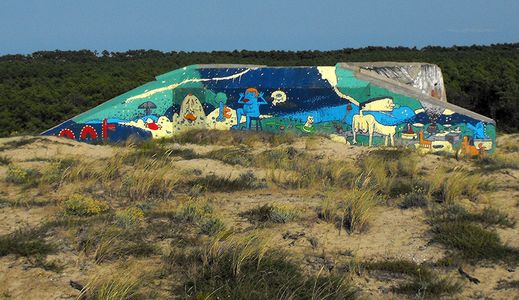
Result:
pixel 67 133
pixel 152 126
pixel 107 127
pixel 88 131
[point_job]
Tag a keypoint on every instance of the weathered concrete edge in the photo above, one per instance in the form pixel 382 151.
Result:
pixel 400 88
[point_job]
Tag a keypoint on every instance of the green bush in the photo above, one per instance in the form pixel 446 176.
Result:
pixel 21 176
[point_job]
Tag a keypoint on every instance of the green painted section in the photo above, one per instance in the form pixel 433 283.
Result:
pixel 123 107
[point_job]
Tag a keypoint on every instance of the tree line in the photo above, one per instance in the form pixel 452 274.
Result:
pixel 45 88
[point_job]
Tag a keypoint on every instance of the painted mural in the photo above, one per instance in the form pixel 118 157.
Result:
pixel 302 100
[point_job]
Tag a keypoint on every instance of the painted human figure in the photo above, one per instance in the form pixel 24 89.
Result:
pixel 251 100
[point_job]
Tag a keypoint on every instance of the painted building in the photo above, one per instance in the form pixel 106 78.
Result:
pixel 393 104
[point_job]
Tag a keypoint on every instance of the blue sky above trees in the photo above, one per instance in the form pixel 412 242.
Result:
pixel 119 25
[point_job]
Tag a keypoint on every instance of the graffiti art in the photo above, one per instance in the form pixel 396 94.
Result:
pixel 358 106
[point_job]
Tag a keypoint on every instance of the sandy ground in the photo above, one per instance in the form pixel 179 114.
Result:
pixel 393 233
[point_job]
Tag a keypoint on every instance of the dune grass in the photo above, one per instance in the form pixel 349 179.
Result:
pixel 121 283
pixel 289 168
pixel 110 242
pixel 350 210
pixel 450 185
pixel 246 267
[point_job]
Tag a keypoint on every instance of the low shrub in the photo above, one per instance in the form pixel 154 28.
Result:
pixel 271 213
pixel 400 186
pixel 414 200
pixel 212 226
pixel 83 206
pixel 52 173
pixel 18 175
pixel 194 211
pixel 129 217
pixel 507 285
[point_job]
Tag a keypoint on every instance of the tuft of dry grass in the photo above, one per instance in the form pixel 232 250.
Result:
pixel 392 171
pixel 350 209
pixel 118 283
pixel 109 242
pixel 149 184
pixel 247 267
pixel 451 185
pixel 103 171
pixel 290 168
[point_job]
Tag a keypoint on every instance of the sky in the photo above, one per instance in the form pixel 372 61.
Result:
pixel 206 25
